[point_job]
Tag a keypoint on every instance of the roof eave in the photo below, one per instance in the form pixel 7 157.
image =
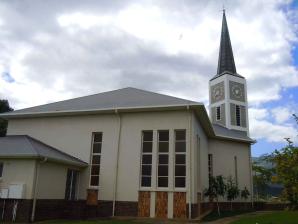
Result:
pixel 96 111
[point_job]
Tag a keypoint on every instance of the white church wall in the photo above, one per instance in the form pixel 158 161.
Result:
pixel 73 135
pixel 224 153
pixel 18 171
pixel 201 167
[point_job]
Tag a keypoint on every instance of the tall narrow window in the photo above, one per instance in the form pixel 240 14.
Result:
pixel 218 113
pixel 238 117
pixel 236 169
pixel 1 169
pixel 71 184
pixel 210 165
pixel 180 158
pixel 163 159
pixel 146 163
pixel 95 159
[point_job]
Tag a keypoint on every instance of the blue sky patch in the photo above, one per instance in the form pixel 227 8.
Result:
pixel 7 77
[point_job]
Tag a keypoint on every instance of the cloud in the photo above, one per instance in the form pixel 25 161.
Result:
pixel 262 126
pixel 281 114
pixel 56 50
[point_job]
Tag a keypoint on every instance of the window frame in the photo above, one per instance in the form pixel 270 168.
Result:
pixel 1 169
pixel 91 159
pixel 210 165
pixel 238 115
pixel 141 163
pixel 76 185
pixel 157 158
pixel 185 159
pixel 218 113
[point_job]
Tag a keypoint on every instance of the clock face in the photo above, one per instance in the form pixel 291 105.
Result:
pixel 218 92
pixel 237 91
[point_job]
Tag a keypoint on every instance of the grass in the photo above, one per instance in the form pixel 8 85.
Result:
pixel 283 217
pixel 214 215
pixel 108 221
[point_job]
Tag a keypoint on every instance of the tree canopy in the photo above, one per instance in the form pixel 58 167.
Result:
pixel 4 107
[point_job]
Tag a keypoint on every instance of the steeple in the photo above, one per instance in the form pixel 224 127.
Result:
pixel 226 59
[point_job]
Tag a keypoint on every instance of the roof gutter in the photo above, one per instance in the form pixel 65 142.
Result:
pixel 92 111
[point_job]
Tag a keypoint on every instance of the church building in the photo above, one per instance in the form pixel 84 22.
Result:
pixel 127 152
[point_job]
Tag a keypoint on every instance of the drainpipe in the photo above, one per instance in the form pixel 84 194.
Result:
pixel 117 163
pixel 35 186
pixel 190 163
pixel 251 179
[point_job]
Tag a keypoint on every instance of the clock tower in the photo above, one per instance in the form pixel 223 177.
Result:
pixel 227 89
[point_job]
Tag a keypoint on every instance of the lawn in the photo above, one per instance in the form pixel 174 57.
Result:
pixel 284 217
pixel 108 221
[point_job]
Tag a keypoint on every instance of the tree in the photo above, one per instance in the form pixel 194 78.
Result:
pixel 217 188
pixel 286 168
pixel 261 178
pixel 4 107
pixel 232 190
pixel 244 195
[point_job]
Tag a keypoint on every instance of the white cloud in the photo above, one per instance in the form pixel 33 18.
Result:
pixel 281 114
pixel 66 50
pixel 261 126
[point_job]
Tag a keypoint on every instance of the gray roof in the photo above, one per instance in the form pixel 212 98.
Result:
pixel 23 146
pixel 223 132
pixel 226 63
pixel 117 99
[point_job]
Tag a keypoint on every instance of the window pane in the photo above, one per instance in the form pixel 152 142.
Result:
pixel 147 159
pixel 180 135
pixel 96 159
pixel 97 137
pixel 180 159
pixel 163 146
pixel 94 180
pixel 163 159
pixel 1 169
pixel 146 182
pixel 162 182
pixel 147 146
pixel 180 170
pixel 180 146
pixel 97 148
pixel 147 135
pixel 179 181
pixel 163 170
pixel 163 135
pixel 95 170
pixel 146 170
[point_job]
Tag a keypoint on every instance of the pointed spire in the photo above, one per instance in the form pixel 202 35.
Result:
pixel 226 59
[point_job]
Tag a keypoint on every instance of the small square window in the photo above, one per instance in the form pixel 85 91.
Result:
pixel 163 135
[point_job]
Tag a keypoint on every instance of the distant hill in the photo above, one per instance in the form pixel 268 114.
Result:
pixel 273 189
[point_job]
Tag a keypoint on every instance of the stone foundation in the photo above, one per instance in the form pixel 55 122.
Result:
pixel 62 209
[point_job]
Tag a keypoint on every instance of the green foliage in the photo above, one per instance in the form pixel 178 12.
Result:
pixel 217 188
pixel 244 193
pixel 286 167
pixel 232 190
pixel 4 107
pixel 261 178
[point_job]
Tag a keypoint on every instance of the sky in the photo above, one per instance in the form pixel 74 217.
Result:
pixel 60 49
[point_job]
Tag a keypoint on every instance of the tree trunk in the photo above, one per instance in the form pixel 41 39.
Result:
pixel 218 210
pixel 231 206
